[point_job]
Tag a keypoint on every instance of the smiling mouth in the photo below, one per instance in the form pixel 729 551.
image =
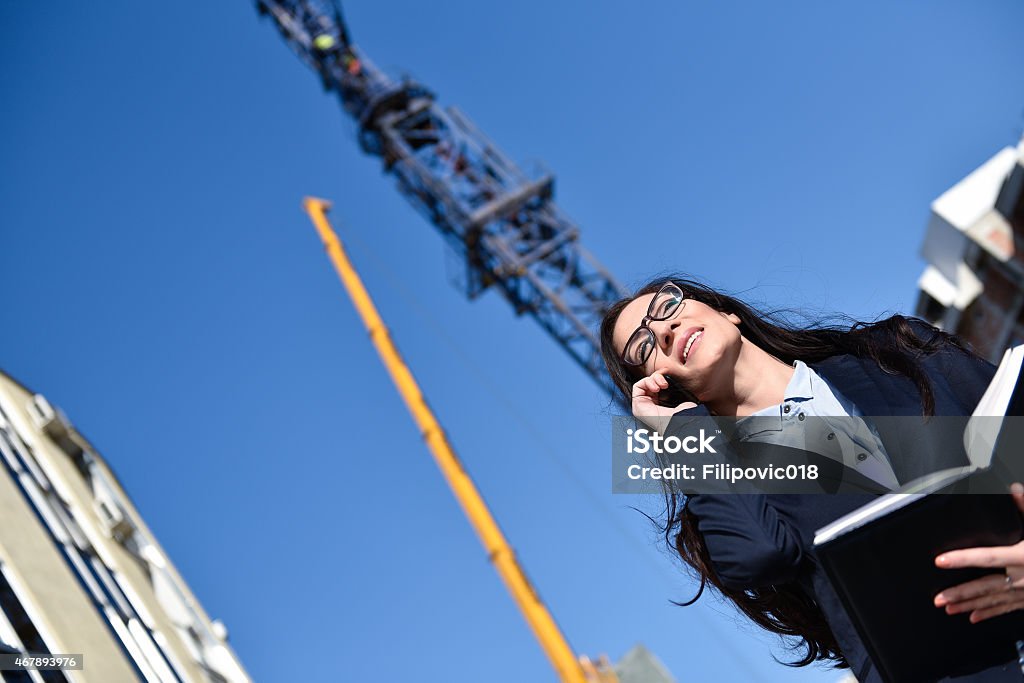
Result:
pixel 688 345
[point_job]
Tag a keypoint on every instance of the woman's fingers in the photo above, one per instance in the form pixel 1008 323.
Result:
pixel 657 382
pixel 984 602
pixel 646 390
pixel 645 402
pixel 1017 490
pixel 646 406
pixel 997 556
pixel 986 585
pixel 995 592
pixel 1017 602
pixel 984 598
pixel 649 386
pixel 990 595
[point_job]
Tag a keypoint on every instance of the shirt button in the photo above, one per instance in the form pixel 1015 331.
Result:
pixel 801 416
pixel 785 409
pixel 831 435
pixel 862 456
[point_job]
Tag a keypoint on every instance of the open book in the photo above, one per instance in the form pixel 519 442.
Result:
pixel 880 557
pixel 1000 399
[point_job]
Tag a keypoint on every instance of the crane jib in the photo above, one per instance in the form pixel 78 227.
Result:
pixel 504 225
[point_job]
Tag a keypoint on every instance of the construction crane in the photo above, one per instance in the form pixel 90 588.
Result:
pixel 510 233
pixel 499 552
pixel 504 225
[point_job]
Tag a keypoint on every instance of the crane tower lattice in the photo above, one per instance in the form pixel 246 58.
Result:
pixel 504 225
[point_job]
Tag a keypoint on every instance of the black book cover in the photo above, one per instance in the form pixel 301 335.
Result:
pixel 883 566
pixel 886 576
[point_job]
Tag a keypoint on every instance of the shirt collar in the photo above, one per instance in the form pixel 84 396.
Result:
pixel 799 387
pixel 770 419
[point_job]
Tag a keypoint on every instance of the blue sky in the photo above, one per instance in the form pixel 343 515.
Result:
pixel 164 287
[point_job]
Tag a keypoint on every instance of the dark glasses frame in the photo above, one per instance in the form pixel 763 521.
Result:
pixel 645 330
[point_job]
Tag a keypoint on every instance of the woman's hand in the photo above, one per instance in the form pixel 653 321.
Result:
pixel 990 595
pixel 645 404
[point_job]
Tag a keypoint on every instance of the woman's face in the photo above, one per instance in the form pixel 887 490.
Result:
pixel 698 346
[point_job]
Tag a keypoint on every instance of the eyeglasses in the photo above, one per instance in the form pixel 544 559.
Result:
pixel 666 304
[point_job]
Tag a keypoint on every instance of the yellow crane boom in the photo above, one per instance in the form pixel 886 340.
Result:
pixel 499 552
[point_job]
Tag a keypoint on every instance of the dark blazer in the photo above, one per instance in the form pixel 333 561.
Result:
pixel 757 540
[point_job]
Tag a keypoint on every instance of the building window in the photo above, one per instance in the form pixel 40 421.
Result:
pixel 1000 290
pixel 930 308
pixel 26 631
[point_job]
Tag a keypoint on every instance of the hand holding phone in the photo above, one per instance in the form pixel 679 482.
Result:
pixel 657 397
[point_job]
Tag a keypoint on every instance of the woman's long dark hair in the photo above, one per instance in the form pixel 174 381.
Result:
pixel 892 343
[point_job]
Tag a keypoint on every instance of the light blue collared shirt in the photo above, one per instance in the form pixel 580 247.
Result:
pixel 839 433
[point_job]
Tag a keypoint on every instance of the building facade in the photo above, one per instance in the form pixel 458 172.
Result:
pixel 974 282
pixel 80 573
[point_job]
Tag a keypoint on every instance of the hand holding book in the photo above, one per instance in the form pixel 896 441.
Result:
pixel 991 595
pixel 951 538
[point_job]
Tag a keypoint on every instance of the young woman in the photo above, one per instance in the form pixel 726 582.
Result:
pixel 680 348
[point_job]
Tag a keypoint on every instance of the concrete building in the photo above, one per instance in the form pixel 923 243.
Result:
pixel 639 665
pixel 974 282
pixel 80 573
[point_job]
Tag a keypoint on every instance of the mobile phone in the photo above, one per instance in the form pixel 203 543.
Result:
pixel 674 394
